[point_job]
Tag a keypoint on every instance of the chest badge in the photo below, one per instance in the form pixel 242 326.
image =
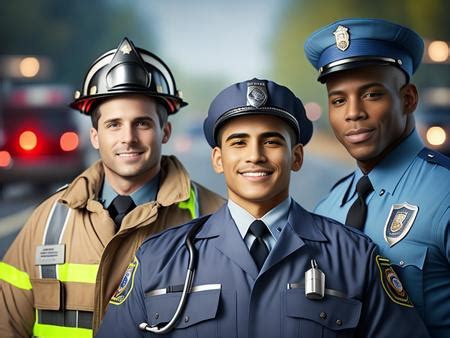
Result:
pixel 399 222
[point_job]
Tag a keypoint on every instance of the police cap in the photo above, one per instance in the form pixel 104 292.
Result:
pixel 257 97
pixel 358 42
pixel 128 70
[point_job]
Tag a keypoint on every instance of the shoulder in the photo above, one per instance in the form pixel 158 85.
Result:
pixel 206 195
pixel 343 182
pixel 343 236
pixel 168 241
pixel 435 158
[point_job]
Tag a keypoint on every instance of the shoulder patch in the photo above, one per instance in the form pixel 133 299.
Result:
pixel 391 283
pixel 435 157
pixel 126 284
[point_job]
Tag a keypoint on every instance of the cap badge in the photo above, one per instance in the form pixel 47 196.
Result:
pixel 125 49
pixel 256 94
pixel 342 38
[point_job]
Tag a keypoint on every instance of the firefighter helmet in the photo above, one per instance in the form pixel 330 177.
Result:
pixel 128 70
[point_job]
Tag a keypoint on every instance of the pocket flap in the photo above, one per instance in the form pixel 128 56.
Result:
pixel 335 313
pixel 47 293
pixel 407 254
pixel 200 306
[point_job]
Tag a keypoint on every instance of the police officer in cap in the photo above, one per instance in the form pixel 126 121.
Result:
pixel 265 267
pixel 399 192
pixel 59 274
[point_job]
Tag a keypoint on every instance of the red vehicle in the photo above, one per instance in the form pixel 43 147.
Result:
pixel 39 137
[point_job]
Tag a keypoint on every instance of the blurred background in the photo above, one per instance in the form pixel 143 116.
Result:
pixel 48 45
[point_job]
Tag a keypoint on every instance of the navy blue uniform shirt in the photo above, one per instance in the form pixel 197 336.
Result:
pixel 231 298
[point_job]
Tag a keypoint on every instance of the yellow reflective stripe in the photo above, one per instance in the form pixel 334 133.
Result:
pixel 82 273
pixel 14 276
pixel 54 331
pixel 189 204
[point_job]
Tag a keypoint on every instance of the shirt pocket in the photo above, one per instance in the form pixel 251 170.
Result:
pixel 329 317
pixel 408 260
pixel 198 318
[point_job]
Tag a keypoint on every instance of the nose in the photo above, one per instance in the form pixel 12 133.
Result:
pixel 256 153
pixel 355 110
pixel 128 134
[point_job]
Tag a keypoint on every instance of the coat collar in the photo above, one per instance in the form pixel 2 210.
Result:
pixel 84 190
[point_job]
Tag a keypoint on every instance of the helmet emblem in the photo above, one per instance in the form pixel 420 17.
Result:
pixel 256 94
pixel 125 49
pixel 342 38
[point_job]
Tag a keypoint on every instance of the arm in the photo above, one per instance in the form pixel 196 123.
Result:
pixel 16 295
pixel 126 309
pixel 387 309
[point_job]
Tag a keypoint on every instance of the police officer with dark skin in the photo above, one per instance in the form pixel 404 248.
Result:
pixel 399 193
pixel 58 275
pixel 263 266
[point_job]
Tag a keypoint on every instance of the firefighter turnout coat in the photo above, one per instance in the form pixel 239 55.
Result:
pixel 60 272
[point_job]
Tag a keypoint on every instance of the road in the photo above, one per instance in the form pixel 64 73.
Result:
pixel 320 170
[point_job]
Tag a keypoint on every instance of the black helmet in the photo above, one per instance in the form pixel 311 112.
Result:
pixel 128 70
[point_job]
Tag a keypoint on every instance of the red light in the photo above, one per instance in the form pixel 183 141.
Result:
pixel 28 140
pixel 69 141
pixel 5 159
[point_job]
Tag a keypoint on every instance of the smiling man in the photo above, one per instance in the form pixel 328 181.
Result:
pixel 399 193
pixel 59 274
pixel 261 266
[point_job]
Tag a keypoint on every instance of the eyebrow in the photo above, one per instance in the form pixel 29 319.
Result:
pixel 263 135
pixel 363 87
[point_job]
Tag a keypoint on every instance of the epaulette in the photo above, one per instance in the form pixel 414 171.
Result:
pixel 341 180
pixel 435 157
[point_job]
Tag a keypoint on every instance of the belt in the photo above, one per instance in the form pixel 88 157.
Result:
pixel 67 318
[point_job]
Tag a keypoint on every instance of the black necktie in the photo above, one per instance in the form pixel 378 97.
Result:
pixel 357 213
pixel 259 250
pixel 120 206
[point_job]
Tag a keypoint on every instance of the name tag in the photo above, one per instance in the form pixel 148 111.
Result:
pixel 50 254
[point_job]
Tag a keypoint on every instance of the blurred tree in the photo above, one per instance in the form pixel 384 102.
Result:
pixel 428 17
pixel 71 33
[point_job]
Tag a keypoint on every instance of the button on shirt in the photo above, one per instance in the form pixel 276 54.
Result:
pixel 275 221
pixel 414 175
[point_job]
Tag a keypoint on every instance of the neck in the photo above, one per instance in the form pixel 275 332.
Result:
pixel 258 208
pixel 129 184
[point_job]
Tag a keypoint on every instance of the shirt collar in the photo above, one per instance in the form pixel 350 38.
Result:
pixel 144 194
pixel 386 174
pixel 275 219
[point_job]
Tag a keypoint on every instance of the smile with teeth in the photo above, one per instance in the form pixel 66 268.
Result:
pixel 128 154
pixel 255 174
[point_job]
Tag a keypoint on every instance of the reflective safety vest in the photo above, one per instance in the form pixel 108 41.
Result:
pixel 64 322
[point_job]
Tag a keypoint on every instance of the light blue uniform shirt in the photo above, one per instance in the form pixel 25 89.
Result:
pixel 144 194
pixel 275 220
pixel 414 236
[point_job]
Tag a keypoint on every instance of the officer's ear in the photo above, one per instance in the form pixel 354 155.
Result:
pixel 297 157
pixel 167 131
pixel 410 98
pixel 94 138
pixel 216 160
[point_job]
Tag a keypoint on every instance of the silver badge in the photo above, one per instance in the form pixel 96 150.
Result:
pixel 125 49
pixel 342 38
pixel 399 222
pixel 256 94
pixel 50 254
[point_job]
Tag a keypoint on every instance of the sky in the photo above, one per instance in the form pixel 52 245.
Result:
pixel 215 37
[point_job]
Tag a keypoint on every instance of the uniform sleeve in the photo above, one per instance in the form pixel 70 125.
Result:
pixel 386 305
pixel 17 313
pixel 126 309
